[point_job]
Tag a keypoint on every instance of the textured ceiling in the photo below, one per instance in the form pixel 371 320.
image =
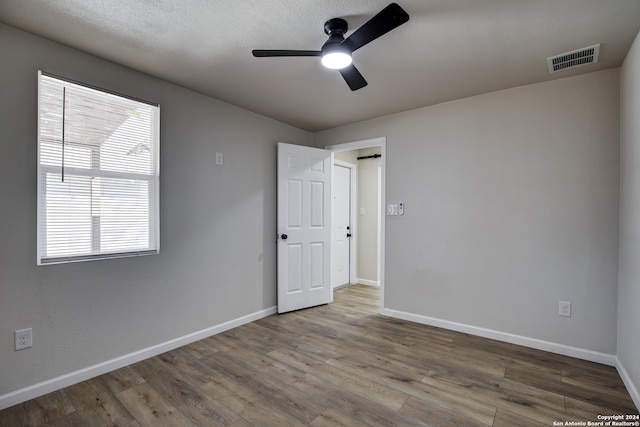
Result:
pixel 449 49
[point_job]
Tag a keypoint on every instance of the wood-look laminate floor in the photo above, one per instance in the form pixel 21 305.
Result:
pixel 338 365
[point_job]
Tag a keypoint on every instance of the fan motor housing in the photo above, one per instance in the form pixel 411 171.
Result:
pixel 335 26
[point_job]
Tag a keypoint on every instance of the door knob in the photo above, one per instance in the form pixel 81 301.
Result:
pixel 284 237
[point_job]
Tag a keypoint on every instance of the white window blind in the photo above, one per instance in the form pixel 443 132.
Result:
pixel 98 173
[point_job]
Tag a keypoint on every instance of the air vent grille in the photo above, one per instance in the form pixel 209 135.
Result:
pixel 576 58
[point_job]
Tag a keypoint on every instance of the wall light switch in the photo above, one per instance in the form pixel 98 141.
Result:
pixel 219 158
pixel 564 308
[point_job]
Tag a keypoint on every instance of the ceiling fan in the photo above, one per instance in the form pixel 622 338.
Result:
pixel 336 53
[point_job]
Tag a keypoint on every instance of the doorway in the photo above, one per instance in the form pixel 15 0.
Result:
pixel 363 252
pixel 304 218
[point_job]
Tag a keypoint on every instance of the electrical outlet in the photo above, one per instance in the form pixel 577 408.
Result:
pixel 564 308
pixel 24 338
pixel 219 159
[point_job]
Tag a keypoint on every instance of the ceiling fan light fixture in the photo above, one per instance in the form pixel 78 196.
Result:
pixel 336 52
pixel 336 59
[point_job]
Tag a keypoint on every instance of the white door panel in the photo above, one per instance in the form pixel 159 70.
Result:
pixel 304 227
pixel 341 225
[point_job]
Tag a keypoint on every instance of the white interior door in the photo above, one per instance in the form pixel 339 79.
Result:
pixel 304 227
pixel 341 226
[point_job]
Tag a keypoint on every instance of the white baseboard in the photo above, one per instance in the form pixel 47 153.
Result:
pixel 53 384
pixel 367 282
pixel 592 356
pixel 626 379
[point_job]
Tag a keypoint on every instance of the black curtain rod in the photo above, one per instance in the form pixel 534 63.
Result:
pixel 375 156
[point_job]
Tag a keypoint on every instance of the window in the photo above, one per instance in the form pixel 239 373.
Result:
pixel 98 173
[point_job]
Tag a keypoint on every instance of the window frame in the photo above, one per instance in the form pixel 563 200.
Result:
pixel 152 179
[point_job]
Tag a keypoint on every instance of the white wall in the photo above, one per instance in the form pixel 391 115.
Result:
pixel 629 280
pixel 350 156
pixel 217 260
pixel 511 205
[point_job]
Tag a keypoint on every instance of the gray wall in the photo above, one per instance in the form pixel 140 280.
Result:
pixel 511 205
pixel 629 280
pixel 218 253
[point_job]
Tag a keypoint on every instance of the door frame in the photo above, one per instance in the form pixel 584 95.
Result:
pixel 368 143
pixel 353 272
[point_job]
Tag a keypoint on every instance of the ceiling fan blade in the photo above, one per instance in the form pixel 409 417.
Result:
pixel 386 20
pixel 353 77
pixel 270 53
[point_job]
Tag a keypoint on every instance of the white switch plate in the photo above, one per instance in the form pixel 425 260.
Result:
pixel 219 159
pixel 564 308
pixel 392 209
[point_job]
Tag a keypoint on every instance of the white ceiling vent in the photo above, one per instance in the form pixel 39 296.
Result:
pixel 576 58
